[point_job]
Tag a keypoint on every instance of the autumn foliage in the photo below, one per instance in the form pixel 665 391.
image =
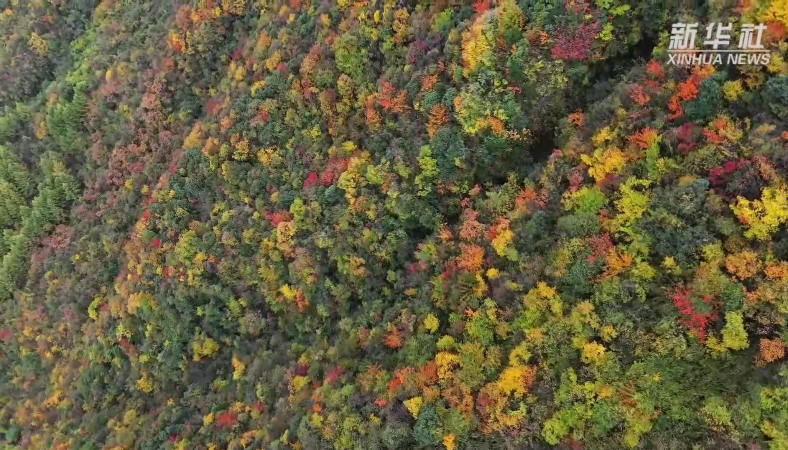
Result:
pixel 390 225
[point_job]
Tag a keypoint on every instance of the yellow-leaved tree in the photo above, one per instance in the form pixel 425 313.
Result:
pixel 763 217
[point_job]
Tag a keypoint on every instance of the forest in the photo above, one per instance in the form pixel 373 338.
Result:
pixel 390 225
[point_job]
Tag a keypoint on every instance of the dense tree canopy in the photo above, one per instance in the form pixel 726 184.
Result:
pixel 393 225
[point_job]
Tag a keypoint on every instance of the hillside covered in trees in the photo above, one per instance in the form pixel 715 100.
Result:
pixel 390 225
